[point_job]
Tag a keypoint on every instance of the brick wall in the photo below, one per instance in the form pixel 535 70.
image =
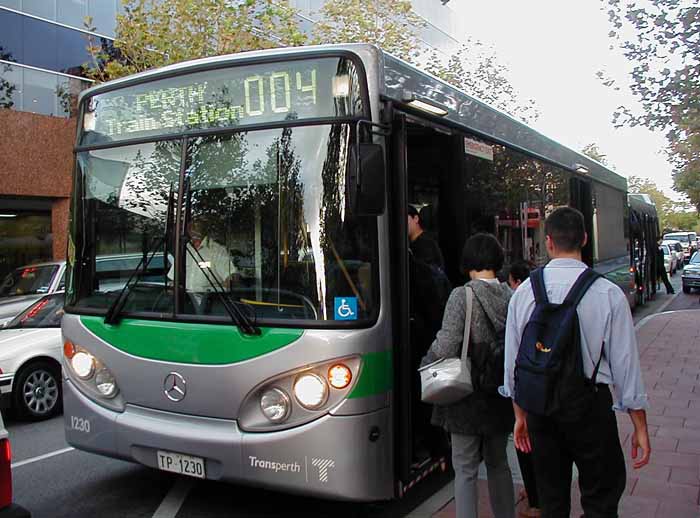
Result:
pixel 36 160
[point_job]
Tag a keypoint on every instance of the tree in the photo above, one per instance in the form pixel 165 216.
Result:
pixel 593 151
pixel 660 38
pixel 475 69
pixel 683 221
pixel 664 204
pixel 390 24
pixel 153 33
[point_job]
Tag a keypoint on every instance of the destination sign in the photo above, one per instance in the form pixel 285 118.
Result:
pixel 229 97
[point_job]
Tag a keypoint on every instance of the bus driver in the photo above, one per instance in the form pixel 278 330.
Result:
pixel 211 256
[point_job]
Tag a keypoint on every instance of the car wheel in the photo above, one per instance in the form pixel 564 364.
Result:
pixel 686 289
pixel 37 391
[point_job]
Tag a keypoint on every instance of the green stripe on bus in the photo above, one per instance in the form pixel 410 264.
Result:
pixel 376 376
pixel 182 342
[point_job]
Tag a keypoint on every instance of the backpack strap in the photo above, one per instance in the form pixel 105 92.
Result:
pixel 538 289
pixel 597 365
pixel 580 287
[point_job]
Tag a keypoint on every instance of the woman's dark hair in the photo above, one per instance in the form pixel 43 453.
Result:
pixel 482 252
pixel 566 229
pixel 520 271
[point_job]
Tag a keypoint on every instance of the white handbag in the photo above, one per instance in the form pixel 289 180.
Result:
pixel 448 380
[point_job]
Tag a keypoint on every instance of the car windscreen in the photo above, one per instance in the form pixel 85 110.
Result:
pixel 28 280
pixel 695 259
pixel 46 312
pixel 683 238
pixel 665 250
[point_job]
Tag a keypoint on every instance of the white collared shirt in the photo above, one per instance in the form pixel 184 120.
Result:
pixel 605 318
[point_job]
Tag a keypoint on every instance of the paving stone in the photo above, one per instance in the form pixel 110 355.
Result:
pixel 677 492
pixel 686 476
pixel 673 510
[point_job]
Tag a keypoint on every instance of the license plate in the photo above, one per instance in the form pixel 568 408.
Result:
pixel 182 464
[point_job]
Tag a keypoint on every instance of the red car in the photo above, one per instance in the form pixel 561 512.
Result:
pixel 7 508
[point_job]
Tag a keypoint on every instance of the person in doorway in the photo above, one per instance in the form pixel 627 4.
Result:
pixel 607 338
pixel 517 273
pixel 480 423
pixel 661 269
pixel 424 248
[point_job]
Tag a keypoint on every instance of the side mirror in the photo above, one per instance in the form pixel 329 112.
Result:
pixel 366 180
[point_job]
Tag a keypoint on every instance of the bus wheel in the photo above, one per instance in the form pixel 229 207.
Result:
pixel 37 391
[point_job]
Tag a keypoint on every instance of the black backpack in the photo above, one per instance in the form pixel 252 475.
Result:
pixel 549 377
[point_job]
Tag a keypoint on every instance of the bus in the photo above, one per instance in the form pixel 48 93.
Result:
pixel 274 343
pixel 644 241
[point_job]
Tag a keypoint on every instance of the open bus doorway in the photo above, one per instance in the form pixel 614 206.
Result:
pixel 425 162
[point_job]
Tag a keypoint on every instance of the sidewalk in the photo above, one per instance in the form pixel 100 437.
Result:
pixel 669 487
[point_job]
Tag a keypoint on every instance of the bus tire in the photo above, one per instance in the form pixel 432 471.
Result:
pixel 37 392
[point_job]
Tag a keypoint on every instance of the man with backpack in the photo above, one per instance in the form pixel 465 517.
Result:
pixel 571 359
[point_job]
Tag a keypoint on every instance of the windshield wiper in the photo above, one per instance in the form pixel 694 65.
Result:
pixel 238 317
pixel 114 310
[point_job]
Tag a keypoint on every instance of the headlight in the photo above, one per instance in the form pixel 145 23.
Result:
pixel 275 405
pixel 105 383
pixel 311 391
pixel 83 365
pixel 92 375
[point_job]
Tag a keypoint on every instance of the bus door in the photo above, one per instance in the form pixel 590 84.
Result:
pixel 581 198
pixel 403 388
pixel 420 170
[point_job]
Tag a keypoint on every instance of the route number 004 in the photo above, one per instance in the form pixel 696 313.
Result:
pixel 80 424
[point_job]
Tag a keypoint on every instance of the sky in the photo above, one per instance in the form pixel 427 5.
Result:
pixel 553 50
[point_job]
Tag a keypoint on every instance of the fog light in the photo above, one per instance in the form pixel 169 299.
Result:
pixel 275 405
pixel 83 365
pixel 339 376
pixel 105 383
pixel 311 391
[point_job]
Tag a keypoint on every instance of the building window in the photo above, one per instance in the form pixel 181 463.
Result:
pixel 72 12
pixel 36 91
pixel 25 238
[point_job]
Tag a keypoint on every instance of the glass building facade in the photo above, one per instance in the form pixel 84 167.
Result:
pixel 43 47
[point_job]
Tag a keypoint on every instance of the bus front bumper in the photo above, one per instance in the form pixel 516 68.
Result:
pixel 339 457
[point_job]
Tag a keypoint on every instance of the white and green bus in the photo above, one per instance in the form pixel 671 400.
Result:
pixel 266 336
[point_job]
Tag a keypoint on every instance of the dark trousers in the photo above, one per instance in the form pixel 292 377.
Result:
pixel 527 470
pixel 664 277
pixel 592 443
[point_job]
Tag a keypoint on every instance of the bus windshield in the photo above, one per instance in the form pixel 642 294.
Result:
pixel 262 215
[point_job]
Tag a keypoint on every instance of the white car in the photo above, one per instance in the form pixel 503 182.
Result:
pixel 30 360
pixel 669 259
pixel 676 249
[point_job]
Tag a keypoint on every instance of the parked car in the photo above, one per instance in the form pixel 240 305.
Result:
pixel 691 274
pixel 25 285
pixel 30 360
pixel 670 261
pixel 688 241
pixel 7 508
pixel 677 250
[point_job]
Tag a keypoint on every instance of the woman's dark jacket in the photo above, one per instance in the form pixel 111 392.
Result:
pixel 484 412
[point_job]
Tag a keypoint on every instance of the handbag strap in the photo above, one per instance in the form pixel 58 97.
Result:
pixel 467 322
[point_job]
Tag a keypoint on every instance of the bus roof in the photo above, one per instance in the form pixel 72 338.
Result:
pixel 642 203
pixel 402 81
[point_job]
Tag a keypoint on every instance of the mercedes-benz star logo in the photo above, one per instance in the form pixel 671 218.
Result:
pixel 175 387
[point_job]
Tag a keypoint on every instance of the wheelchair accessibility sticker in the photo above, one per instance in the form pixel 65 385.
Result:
pixel 346 308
